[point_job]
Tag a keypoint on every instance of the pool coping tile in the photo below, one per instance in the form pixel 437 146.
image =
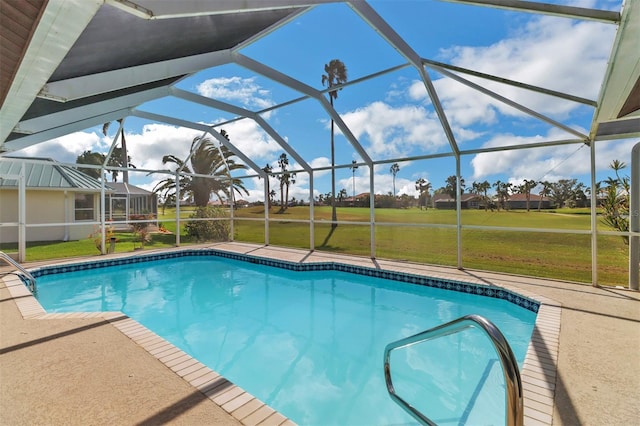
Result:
pixel 538 374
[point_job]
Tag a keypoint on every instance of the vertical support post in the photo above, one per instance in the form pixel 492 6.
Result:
pixel 178 197
pixel 372 214
pixel 634 219
pixel 103 209
pixel 594 217
pixel 458 213
pixel 22 215
pixel 232 203
pixel 312 237
pixel 267 202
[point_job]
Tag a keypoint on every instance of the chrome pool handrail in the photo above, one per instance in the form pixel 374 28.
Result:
pixel 8 259
pixel 514 399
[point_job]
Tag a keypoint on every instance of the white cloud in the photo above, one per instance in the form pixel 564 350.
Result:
pixel 237 90
pixel 549 52
pixel 550 163
pixel 66 149
pixel 395 131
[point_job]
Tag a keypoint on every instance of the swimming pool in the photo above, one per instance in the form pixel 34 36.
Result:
pixel 309 343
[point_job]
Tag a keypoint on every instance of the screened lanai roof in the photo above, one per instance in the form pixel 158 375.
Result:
pixel 72 64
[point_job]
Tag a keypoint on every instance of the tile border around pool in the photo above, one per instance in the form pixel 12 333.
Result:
pixel 444 284
pixel 538 374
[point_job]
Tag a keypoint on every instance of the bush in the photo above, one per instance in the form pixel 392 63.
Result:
pixel 208 230
pixel 141 229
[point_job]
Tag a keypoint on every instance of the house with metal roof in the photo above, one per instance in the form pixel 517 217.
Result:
pixel 61 202
pixel 57 194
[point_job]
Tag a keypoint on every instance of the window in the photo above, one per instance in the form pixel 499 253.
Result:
pixel 84 207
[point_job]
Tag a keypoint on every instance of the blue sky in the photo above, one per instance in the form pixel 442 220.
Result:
pixel 391 115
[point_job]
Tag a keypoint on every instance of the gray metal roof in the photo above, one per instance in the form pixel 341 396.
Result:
pixel 127 188
pixel 45 174
pixel 84 63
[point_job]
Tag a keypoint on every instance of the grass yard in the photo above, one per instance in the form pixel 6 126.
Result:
pixel 544 254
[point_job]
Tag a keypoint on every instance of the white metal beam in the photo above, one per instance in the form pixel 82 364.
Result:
pixel 39 124
pixel 570 12
pixel 164 9
pixel 508 82
pixel 63 130
pixel 509 102
pixel 94 84
pixel 223 106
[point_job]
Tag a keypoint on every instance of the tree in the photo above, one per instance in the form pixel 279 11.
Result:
pixel 353 168
pixel 207 159
pixel 562 191
pixel 394 169
pixel 525 188
pixel 481 188
pixel 423 187
pixel 616 204
pixel 94 158
pixel 119 155
pixel 503 190
pixel 342 195
pixel 335 74
pixel 544 192
pixel 451 185
pixel 286 178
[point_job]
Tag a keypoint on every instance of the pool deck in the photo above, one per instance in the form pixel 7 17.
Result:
pixel 582 367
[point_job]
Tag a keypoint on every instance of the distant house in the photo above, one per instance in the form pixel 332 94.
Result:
pixel 467 201
pixel 54 194
pixel 519 201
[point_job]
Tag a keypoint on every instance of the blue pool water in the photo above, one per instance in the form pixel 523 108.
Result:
pixel 310 344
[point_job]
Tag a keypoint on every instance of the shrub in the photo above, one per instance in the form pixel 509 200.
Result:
pixel 96 235
pixel 141 229
pixel 208 230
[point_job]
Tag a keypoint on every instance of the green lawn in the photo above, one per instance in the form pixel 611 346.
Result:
pixel 544 254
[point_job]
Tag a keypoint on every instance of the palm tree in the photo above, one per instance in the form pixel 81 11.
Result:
pixel 119 156
pixel 525 188
pixel 336 73
pixel 616 204
pixel 342 195
pixel 451 184
pixel 544 192
pixel 480 188
pixel 286 178
pixel 423 187
pixel 503 190
pixel 616 166
pixel 353 168
pixel 208 159
pixel 394 171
